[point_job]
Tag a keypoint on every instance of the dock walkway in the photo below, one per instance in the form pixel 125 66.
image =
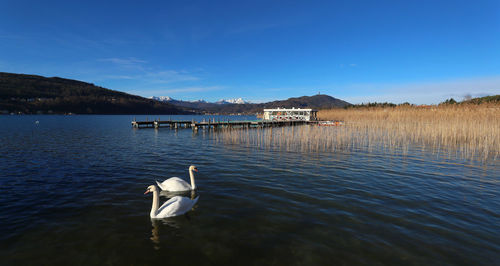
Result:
pixel 216 124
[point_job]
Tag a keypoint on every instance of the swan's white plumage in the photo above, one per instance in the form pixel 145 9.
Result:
pixel 175 206
pixel 177 184
pixel 174 184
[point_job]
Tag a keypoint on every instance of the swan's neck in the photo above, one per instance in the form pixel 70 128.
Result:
pixel 191 175
pixel 154 207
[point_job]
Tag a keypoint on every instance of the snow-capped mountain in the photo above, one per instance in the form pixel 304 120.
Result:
pixel 198 101
pixel 222 101
pixel 234 101
pixel 162 98
pixel 170 99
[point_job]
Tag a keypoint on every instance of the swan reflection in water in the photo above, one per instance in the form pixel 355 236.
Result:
pixel 155 234
pixel 175 222
pixel 172 223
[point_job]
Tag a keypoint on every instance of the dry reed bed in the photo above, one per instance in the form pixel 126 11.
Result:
pixel 465 131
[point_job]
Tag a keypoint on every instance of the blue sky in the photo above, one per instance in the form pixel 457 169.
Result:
pixel 417 51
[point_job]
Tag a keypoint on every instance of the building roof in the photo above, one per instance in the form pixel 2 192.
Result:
pixel 287 109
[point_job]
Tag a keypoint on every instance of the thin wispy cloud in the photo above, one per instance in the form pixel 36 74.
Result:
pixel 77 42
pixel 131 61
pixel 181 93
pixel 425 92
pixel 119 77
pixel 148 81
pixel 132 68
pixel 191 89
pixel 157 77
pixel 169 76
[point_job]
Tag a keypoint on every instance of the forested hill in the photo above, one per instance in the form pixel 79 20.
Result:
pixel 31 94
pixel 319 101
pixel 487 99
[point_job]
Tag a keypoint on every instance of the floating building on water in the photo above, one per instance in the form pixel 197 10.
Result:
pixel 282 114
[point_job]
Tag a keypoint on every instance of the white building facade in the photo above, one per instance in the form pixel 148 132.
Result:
pixel 294 114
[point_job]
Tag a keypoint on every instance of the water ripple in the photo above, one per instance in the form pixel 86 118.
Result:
pixel 73 194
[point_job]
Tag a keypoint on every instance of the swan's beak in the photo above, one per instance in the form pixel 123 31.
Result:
pixel 147 191
pixel 196 170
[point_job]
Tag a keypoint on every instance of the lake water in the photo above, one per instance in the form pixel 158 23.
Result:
pixel 72 194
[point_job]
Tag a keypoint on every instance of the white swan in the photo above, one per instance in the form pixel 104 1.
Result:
pixel 177 184
pixel 175 206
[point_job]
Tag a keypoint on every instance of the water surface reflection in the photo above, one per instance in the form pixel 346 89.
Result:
pixel 258 205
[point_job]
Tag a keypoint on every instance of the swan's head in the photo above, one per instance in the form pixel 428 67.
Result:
pixel 151 188
pixel 193 168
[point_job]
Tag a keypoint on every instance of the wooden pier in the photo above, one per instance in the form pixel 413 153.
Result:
pixel 212 124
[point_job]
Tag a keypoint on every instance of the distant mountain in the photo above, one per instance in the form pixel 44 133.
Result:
pixel 21 93
pixel 162 98
pixel 231 101
pixel 240 106
pixel 180 102
pixel 194 105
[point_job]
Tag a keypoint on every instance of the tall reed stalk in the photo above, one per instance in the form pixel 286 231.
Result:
pixel 466 131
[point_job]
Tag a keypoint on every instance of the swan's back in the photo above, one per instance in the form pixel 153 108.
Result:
pixel 174 184
pixel 175 206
